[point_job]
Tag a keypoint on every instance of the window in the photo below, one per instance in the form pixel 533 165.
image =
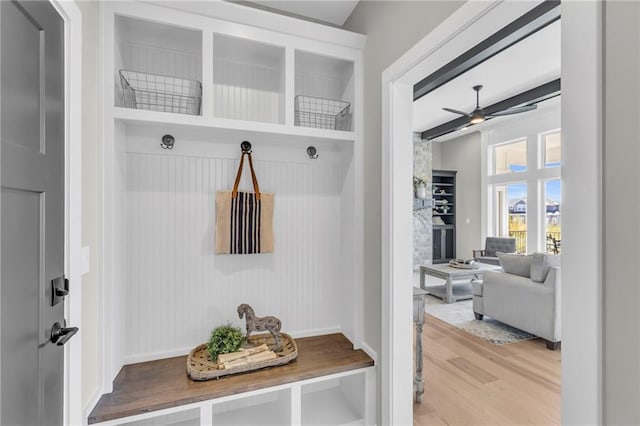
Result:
pixel 511 213
pixel 523 187
pixel 552 155
pixel 552 215
pixel 510 157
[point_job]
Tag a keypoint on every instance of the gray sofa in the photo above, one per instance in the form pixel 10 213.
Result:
pixel 525 296
pixel 492 245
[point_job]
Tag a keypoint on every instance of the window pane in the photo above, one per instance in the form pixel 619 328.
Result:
pixel 553 224
pixel 552 151
pixel 511 213
pixel 510 158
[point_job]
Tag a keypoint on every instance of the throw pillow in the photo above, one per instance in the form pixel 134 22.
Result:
pixel 541 264
pixel 517 264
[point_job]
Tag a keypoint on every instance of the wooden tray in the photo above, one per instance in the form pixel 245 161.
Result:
pixel 200 366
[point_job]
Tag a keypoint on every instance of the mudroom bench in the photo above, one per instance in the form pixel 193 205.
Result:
pixel 329 384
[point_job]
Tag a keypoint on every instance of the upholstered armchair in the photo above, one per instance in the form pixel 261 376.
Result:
pixel 525 295
pixel 493 245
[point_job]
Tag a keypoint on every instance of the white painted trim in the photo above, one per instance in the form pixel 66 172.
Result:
pixel 369 351
pixel 582 257
pixel 93 401
pixel 581 122
pixel 397 258
pixel 358 231
pixel 73 410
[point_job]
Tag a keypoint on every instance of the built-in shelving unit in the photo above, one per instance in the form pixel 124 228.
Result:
pixel 155 49
pixel 444 200
pixel 324 91
pixel 164 287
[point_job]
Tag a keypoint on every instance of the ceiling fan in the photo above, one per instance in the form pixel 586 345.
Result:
pixel 478 115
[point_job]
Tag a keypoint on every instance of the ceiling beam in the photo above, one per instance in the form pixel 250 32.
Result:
pixel 531 22
pixel 530 97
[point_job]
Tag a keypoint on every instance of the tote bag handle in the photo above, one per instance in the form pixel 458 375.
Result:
pixel 256 188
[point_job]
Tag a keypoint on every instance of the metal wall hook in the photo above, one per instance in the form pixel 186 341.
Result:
pixel 312 152
pixel 245 146
pixel 167 142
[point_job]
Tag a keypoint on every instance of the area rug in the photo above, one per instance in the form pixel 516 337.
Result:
pixel 460 315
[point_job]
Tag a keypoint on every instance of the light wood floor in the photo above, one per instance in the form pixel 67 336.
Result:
pixel 469 381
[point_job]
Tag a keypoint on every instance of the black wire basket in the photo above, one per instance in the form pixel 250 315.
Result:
pixel 322 113
pixel 156 92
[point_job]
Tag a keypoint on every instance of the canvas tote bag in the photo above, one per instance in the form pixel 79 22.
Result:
pixel 244 220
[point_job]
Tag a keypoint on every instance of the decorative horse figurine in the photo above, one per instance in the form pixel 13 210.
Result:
pixel 254 323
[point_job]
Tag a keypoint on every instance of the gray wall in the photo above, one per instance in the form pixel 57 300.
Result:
pixel 392 28
pixel 436 155
pixel 90 198
pixel 621 284
pixel 463 154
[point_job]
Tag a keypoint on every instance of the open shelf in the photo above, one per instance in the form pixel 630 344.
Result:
pixel 248 80
pixel 338 401
pixel 323 88
pixel 155 49
pixel 264 132
pixel 269 409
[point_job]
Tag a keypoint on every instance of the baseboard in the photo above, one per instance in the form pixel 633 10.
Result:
pixel 93 401
pixel 151 356
pixel 315 332
pixel 373 354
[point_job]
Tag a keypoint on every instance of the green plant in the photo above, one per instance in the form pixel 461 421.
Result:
pixel 224 339
pixel 418 182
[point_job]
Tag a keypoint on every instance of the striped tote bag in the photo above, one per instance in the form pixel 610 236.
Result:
pixel 244 220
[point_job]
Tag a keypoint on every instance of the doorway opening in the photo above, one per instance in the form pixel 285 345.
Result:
pixel 581 61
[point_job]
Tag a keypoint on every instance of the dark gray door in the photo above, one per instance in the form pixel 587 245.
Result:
pixel 31 213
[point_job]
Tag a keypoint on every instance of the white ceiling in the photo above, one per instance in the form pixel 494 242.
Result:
pixel 332 11
pixel 529 63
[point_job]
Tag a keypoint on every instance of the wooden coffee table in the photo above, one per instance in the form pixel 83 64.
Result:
pixel 454 289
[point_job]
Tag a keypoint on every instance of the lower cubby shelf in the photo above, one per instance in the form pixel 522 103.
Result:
pixel 329 384
pixel 338 401
pixel 268 409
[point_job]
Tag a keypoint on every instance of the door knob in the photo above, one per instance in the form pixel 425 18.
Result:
pixel 61 335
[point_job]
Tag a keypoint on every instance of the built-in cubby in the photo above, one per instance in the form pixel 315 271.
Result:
pixel 162 66
pixel 267 409
pixel 165 288
pixel 324 91
pixel 248 80
pixel 339 401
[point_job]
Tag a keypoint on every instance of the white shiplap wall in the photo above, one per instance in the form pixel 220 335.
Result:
pixel 164 61
pixel 177 289
pixel 247 91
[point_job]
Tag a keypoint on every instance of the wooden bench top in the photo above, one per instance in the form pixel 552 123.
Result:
pixel 156 385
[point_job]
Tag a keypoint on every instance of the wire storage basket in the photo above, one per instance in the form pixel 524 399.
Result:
pixel 160 92
pixel 322 113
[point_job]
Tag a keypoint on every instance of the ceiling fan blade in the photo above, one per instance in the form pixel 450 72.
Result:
pixel 455 111
pixel 511 111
